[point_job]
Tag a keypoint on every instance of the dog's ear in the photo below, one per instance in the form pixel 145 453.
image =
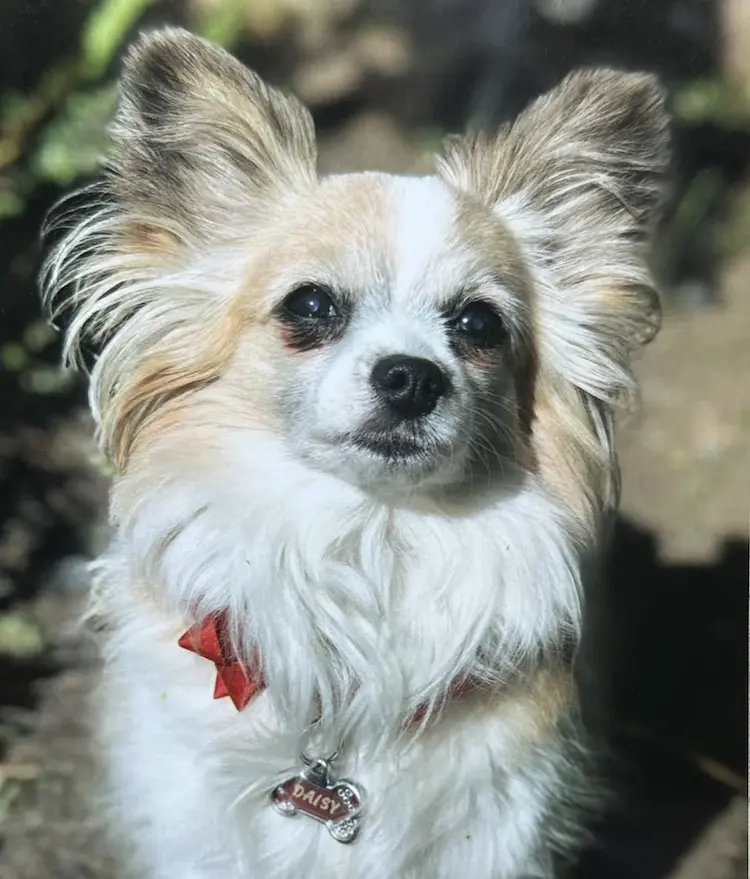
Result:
pixel 199 139
pixel 579 177
pixel 147 261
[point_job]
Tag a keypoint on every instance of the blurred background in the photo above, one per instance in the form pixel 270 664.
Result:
pixel 385 81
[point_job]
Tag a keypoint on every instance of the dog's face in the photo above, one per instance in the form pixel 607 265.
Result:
pixel 397 332
pixel 394 328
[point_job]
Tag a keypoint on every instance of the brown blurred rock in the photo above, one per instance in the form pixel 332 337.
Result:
pixel 338 70
pixel 686 453
pixel 328 78
pixel 721 851
pixel 371 142
pixel 736 21
pixel 383 50
pixel 266 19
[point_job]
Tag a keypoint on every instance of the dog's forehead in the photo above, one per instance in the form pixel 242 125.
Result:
pixel 423 234
pixel 397 236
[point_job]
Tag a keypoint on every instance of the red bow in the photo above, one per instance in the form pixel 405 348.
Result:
pixel 210 639
pixel 234 677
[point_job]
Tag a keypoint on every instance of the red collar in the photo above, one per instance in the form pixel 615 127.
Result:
pixel 239 679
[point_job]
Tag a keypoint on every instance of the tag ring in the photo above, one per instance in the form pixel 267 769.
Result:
pixel 319 761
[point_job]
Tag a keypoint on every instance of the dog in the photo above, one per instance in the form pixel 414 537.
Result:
pixel 362 434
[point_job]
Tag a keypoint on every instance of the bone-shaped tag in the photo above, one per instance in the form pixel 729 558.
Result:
pixel 337 805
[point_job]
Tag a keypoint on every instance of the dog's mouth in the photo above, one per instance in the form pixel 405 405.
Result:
pixel 390 446
pixel 407 455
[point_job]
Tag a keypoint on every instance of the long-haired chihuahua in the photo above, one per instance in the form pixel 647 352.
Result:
pixel 362 429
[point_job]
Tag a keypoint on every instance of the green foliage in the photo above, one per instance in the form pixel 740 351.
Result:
pixel 711 100
pixel 72 144
pixel 57 132
pixel 9 792
pixel 104 32
pixel 25 361
pixel 13 357
pixel 21 119
pixel 223 23
pixel 20 636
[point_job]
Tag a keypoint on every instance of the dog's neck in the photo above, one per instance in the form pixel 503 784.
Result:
pixel 362 609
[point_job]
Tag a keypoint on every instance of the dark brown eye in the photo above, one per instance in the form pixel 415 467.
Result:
pixel 311 317
pixel 310 302
pixel 479 324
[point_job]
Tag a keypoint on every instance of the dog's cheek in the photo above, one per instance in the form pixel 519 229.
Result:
pixel 502 404
pixel 294 395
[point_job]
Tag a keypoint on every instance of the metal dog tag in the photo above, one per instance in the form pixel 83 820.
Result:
pixel 338 804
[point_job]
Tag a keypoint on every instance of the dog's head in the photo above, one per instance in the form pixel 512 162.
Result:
pixel 395 331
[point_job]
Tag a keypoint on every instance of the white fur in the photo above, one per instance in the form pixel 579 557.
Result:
pixel 406 598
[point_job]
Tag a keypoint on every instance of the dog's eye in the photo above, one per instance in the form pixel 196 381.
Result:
pixel 310 302
pixel 480 325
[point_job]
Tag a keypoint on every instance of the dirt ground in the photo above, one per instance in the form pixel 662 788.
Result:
pixel 677 610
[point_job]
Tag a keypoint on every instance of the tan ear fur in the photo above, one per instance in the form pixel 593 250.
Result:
pixel 204 152
pixel 590 160
pixel 198 137
pixel 579 178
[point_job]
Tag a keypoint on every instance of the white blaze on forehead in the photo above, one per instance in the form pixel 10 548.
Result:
pixel 422 227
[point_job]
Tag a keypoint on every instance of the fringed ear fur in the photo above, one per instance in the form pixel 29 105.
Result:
pixel 202 150
pixel 199 137
pixel 580 177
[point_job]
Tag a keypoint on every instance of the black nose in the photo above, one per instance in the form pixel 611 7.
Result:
pixel 410 386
